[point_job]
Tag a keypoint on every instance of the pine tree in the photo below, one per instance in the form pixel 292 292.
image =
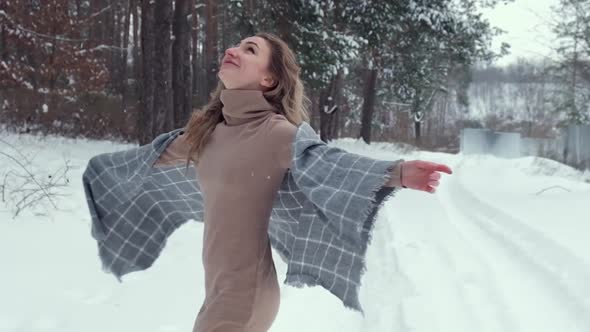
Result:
pixel 411 48
pixel 573 68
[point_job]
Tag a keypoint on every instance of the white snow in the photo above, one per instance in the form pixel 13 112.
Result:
pixel 487 252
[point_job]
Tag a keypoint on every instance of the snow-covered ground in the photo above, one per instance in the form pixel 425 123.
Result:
pixel 490 251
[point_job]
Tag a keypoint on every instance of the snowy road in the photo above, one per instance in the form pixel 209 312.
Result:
pixel 487 252
pixel 471 266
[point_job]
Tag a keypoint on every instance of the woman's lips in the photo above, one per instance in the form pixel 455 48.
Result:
pixel 229 62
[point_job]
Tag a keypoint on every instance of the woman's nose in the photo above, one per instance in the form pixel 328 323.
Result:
pixel 231 51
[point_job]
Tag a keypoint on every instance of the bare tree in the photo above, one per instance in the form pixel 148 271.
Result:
pixel 22 187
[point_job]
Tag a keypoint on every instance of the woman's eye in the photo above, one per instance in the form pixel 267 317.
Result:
pixel 251 49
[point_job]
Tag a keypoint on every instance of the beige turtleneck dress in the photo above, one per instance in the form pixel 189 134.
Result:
pixel 239 173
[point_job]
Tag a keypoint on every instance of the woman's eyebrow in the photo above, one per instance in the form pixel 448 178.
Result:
pixel 251 42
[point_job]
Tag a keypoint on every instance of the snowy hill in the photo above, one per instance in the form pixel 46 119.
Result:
pixel 502 246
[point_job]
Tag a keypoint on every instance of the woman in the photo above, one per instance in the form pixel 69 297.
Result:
pixel 241 145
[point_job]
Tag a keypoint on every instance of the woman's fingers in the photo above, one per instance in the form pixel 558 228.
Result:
pixel 434 176
pixel 434 167
pixel 433 183
pixel 444 168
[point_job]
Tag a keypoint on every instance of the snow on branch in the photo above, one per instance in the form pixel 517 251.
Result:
pixel 98 48
pixel 92 16
pixel 32 34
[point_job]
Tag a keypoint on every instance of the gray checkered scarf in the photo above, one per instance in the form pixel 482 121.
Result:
pixel 320 224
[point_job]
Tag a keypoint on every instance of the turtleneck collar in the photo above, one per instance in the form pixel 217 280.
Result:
pixel 241 106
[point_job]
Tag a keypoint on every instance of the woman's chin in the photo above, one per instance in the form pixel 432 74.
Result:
pixel 224 79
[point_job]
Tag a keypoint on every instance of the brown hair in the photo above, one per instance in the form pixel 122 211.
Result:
pixel 287 96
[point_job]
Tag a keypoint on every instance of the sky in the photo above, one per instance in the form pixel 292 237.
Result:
pixel 527 27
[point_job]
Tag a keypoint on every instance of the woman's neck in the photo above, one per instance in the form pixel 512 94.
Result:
pixel 241 106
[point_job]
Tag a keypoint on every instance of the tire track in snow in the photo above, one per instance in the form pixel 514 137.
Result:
pixel 477 282
pixel 558 273
pixel 385 289
pixel 450 280
pixel 563 265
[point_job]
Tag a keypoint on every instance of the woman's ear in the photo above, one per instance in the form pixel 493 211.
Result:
pixel 268 81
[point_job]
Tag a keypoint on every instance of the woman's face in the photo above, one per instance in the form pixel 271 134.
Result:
pixel 245 66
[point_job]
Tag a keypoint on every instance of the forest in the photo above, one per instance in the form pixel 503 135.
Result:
pixel 411 71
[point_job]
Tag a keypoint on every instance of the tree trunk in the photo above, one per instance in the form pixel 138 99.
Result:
pixel 223 24
pixel 195 45
pixel 249 11
pixel 368 104
pixel 575 73
pixel 92 35
pixel 99 21
pixel 112 39
pixel 52 77
pixel 145 132
pixel 337 102
pixel 211 53
pixel 124 56
pixel 314 107
pixel 163 106
pixel 417 131
pixel 417 118
pixel 323 107
pixel 136 48
pixel 329 104
pixel 3 45
pixel 78 9
pixel 284 22
pixel 333 118
pixel 181 72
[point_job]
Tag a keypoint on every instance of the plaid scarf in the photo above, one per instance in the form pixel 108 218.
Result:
pixel 320 225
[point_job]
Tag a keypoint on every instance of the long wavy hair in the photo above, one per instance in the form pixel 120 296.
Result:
pixel 288 96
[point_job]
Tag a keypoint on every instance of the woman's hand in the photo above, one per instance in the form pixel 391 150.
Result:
pixel 422 175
